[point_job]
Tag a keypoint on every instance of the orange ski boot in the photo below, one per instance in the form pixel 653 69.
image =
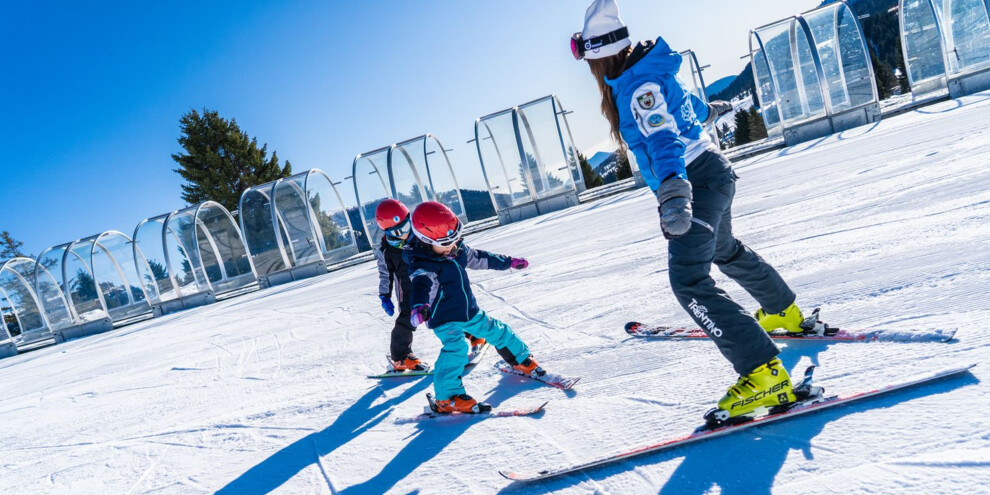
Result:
pixel 462 403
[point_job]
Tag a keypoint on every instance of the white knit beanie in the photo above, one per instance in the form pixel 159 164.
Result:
pixel 602 17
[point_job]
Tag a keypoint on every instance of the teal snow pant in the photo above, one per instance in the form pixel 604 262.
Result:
pixel 454 355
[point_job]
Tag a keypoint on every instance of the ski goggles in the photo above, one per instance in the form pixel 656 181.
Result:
pixel 580 46
pixel 448 240
pixel 400 230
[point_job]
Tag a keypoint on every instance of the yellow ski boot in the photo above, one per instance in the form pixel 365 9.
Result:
pixel 765 387
pixel 789 319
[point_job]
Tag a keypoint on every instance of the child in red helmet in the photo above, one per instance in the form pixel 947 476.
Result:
pixel 442 298
pixel 393 218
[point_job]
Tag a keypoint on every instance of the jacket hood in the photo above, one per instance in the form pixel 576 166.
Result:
pixel 649 58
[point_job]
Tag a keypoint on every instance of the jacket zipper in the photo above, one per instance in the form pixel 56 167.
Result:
pixel 467 309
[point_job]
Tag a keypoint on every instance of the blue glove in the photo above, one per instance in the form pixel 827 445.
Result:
pixel 387 304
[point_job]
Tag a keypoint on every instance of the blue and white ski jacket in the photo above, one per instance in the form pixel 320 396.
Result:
pixel 442 281
pixel 658 118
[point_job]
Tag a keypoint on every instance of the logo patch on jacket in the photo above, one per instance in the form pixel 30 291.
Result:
pixel 646 100
pixel 655 120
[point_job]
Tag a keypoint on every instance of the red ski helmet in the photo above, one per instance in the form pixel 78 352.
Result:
pixel 392 217
pixel 434 223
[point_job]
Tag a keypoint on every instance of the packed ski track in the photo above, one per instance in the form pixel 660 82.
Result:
pixel 882 226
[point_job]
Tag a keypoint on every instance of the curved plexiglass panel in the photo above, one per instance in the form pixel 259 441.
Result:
pixel 845 62
pixel 371 186
pixel 259 228
pixel 221 249
pixel 690 75
pixel 498 152
pixel 405 162
pixel 22 311
pixel 788 52
pixel 153 272
pixel 966 28
pixel 921 41
pixel 183 261
pixel 332 222
pixel 80 283
pixel 440 178
pixel 765 91
pixel 548 160
pixel 114 269
pixel 292 207
pixel 52 299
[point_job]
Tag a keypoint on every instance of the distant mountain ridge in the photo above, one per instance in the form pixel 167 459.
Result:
pixel 719 86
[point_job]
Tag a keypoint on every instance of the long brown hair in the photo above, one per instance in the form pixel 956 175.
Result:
pixel 610 67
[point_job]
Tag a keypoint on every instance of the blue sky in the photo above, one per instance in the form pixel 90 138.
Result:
pixel 91 92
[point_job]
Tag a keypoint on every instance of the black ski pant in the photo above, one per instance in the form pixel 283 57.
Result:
pixel 402 333
pixel 709 240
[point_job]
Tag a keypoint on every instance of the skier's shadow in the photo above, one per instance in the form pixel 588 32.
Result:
pixel 748 462
pixel 351 423
pixel 430 439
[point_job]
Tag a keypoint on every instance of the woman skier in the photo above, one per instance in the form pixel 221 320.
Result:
pixel 442 298
pixel 661 122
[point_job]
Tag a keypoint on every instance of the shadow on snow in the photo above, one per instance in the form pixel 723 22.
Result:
pixel 747 462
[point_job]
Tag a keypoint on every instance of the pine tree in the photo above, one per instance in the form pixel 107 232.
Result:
pixel 757 128
pixel 742 135
pixel 591 178
pixel 902 79
pixel 221 161
pixel 623 170
pixel 11 248
pixel 885 77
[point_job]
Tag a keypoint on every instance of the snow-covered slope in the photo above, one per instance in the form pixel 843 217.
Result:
pixel 881 226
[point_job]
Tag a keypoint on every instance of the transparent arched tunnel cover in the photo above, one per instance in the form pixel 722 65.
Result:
pixel 498 152
pixel 690 75
pixel 51 297
pixel 966 28
pixel 292 208
pixel 788 51
pixel 440 177
pixel 22 312
pixel 258 226
pixel 153 271
pixel 221 250
pixel 765 91
pixel 80 283
pixel 406 163
pixel 845 62
pixel 333 225
pixel 371 186
pixel 922 44
pixel 184 262
pixel 114 271
pixel 549 158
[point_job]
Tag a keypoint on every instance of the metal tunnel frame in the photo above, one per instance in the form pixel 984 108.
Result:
pixel 931 47
pixel 412 171
pixel 813 109
pixel 285 239
pixel 525 194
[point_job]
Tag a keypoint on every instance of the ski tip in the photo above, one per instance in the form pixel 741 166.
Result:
pixel 632 326
pixel 509 475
